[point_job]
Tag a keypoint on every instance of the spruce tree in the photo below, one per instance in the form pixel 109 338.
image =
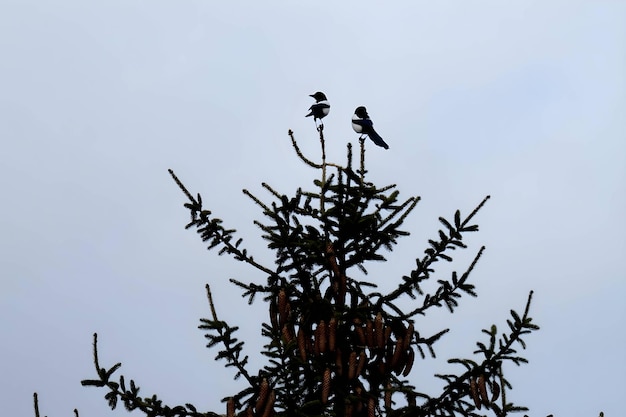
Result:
pixel 335 344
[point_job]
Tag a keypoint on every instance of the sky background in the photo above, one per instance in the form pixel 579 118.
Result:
pixel 524 101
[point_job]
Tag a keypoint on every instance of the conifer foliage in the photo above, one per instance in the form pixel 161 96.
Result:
pixel 336 345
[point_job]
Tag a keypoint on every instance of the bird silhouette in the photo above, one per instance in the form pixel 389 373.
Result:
pixel 321 108
pixel 362 124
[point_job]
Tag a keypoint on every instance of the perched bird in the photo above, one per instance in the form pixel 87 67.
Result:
pixel 321 107
pixel 362 124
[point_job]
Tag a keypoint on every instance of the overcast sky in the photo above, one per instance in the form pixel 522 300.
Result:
pixel 524 101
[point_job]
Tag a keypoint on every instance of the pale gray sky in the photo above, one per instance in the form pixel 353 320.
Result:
pixel 525 101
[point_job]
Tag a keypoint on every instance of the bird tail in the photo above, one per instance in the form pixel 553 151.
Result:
pixel 375 137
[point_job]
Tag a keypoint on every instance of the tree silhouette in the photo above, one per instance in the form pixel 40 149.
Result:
pixel 336 345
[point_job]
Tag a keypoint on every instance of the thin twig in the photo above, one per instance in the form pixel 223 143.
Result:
pixel 36 402
pixel 473 213
pixel 182 187
pixel 300 154
pixel 323 143
pixel 210 297
pixel 362 141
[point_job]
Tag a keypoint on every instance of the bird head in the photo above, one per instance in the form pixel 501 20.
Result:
pixel 361 112
pixel 319 96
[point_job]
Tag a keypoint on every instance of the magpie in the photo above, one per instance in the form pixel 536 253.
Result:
pixel 321 107
pixel 362 124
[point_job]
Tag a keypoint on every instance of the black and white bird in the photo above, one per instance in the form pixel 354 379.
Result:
pixel 362 124
pixel 321 108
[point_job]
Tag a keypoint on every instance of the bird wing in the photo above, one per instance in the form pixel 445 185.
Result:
pixel 319 110
pixel 365 125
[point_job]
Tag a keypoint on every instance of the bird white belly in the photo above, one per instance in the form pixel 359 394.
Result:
pixel 357 128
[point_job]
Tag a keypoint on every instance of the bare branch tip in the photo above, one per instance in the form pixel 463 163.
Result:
pixel 211 305
pixel 36 404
